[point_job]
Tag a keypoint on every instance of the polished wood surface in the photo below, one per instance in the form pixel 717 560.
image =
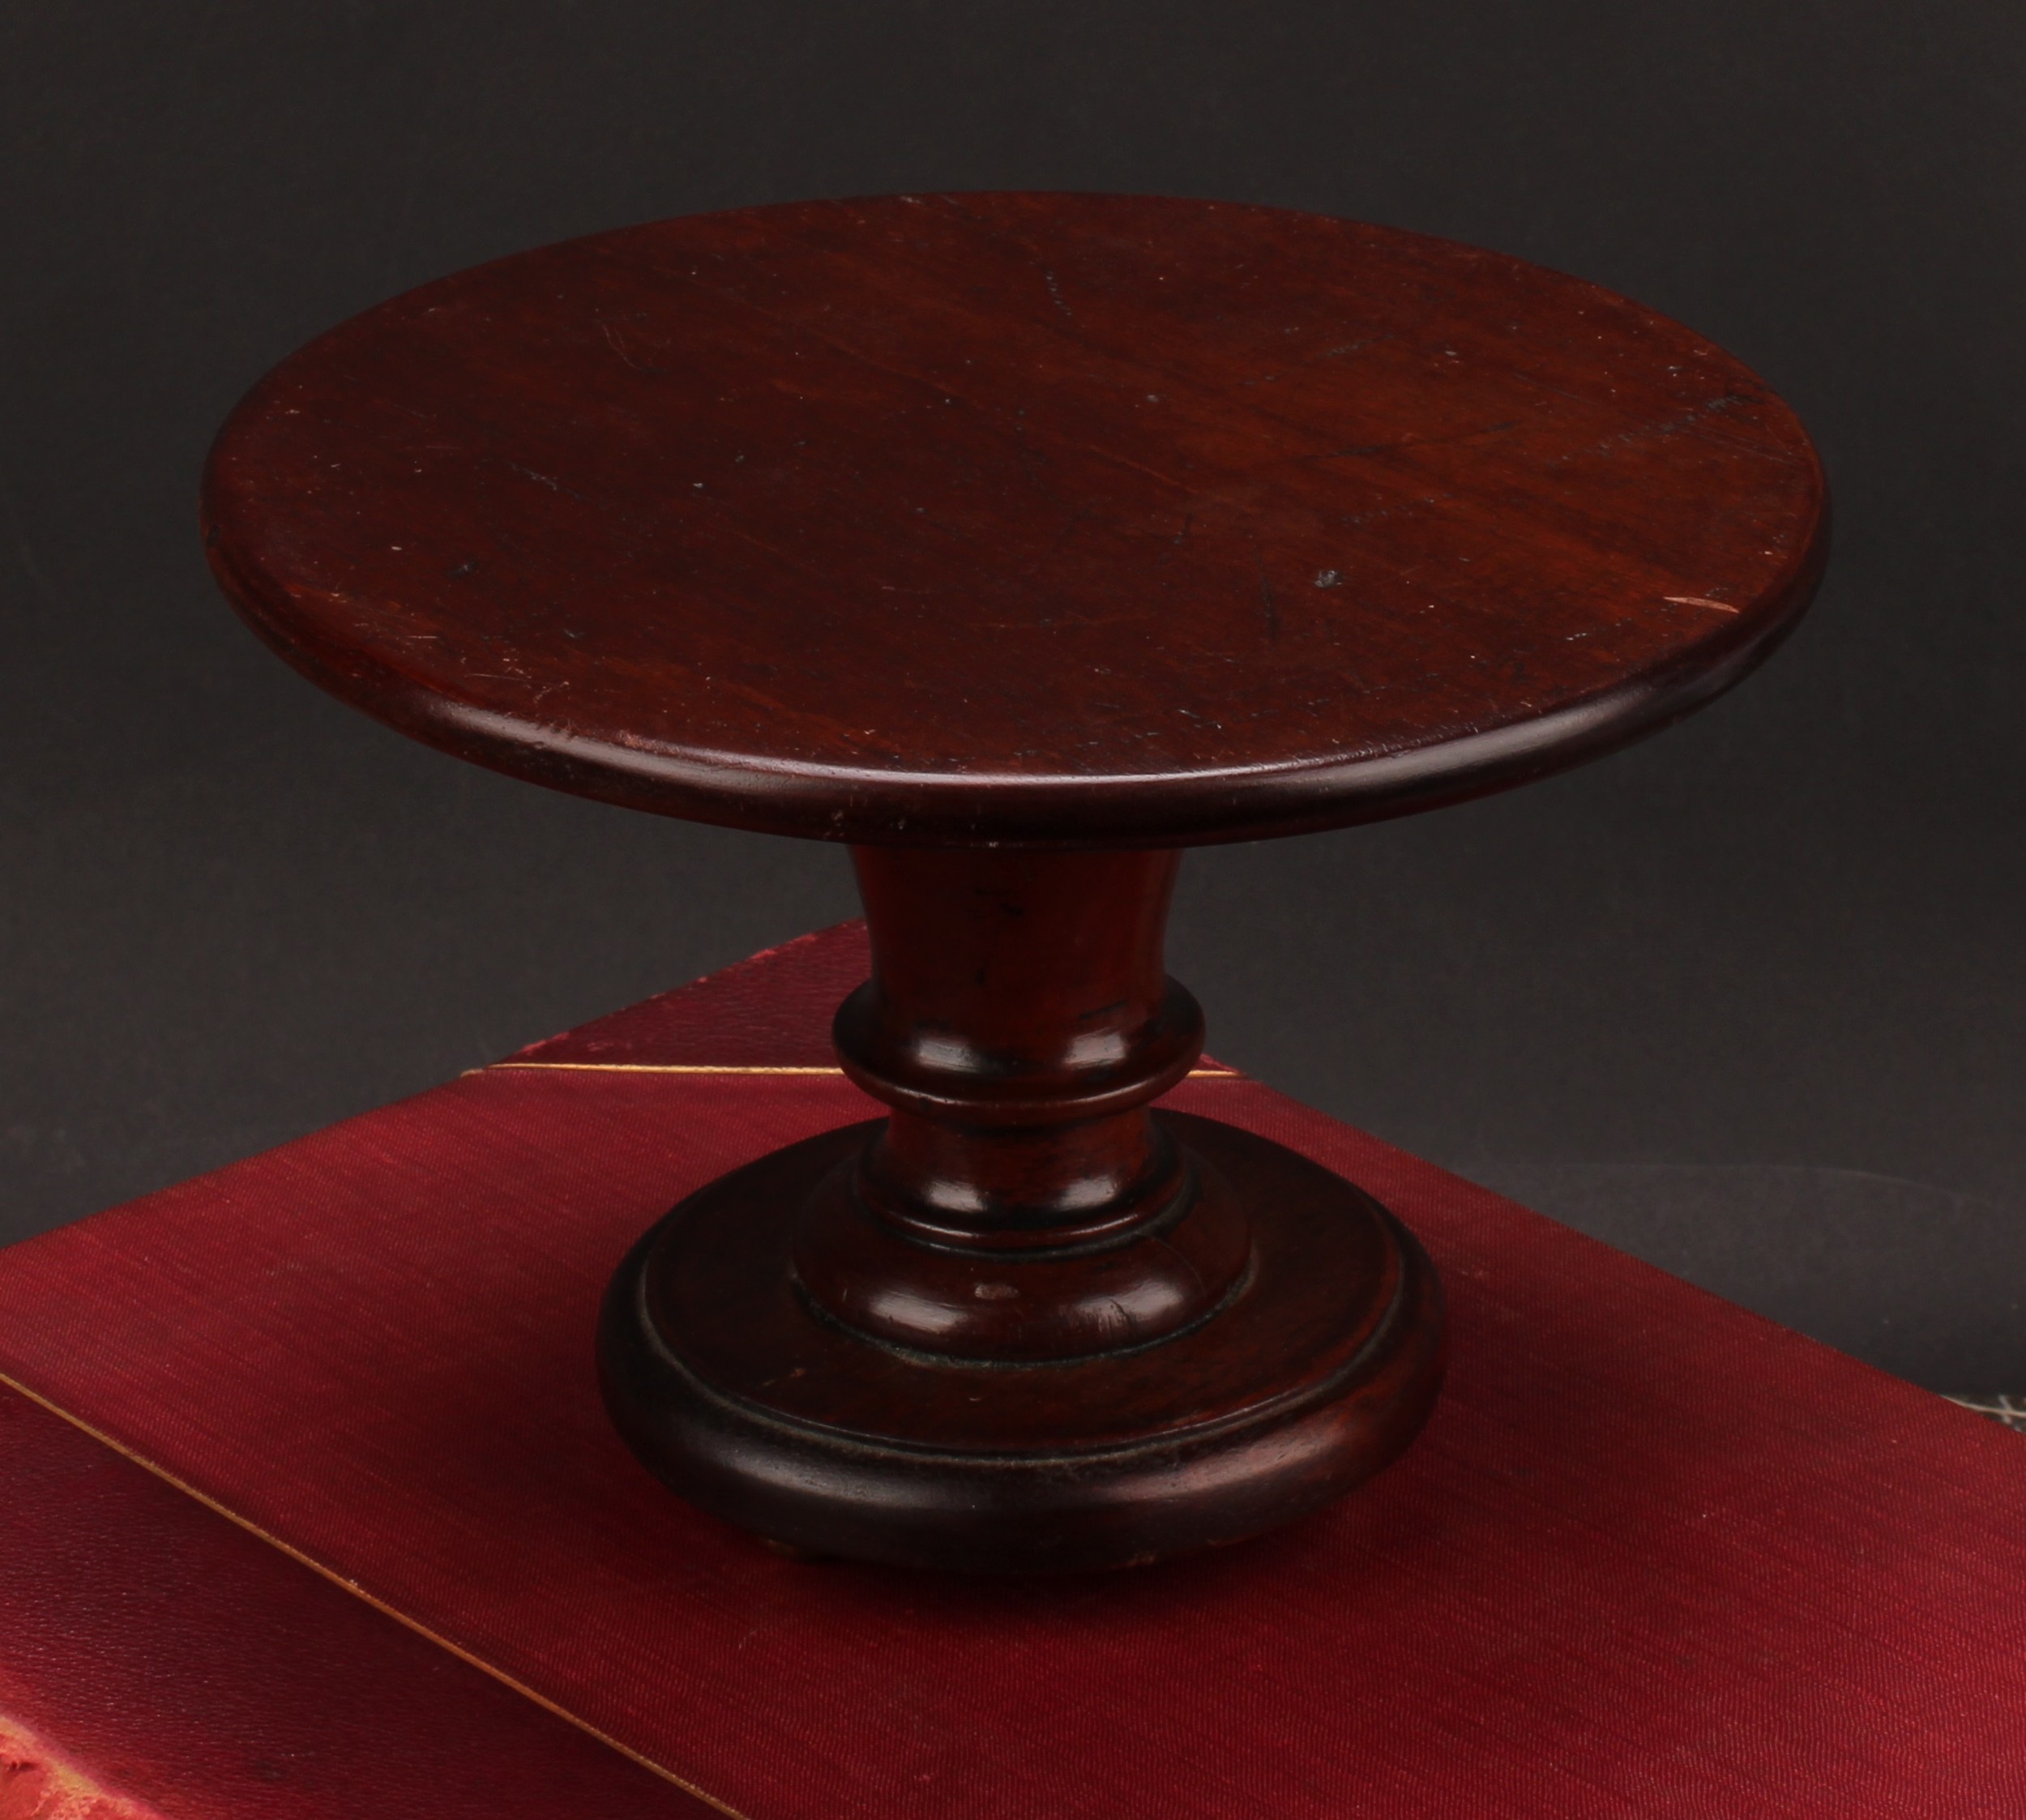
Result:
pixel 1019 1021
pixel 1020 541
pixel 1071 520
pixel 1025 1323
pixel 745 1399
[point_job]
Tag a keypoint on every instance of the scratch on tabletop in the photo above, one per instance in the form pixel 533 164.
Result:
pixel 1266 595
pixel 1699 600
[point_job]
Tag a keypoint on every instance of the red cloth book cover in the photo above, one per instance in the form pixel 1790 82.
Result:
pixel 1653 1556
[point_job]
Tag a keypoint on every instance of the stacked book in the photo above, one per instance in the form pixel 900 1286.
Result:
pixel 308 1508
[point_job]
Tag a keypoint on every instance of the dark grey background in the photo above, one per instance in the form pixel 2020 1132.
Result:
pixel 1719 999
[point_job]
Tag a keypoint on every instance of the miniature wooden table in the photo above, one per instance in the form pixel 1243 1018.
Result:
pixel 1020 541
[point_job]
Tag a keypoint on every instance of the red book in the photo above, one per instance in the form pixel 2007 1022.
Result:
pixel 332 1522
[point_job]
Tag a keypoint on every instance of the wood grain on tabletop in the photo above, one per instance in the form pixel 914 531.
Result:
pixel 1064 520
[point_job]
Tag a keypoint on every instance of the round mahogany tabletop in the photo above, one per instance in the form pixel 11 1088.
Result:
pixel 1067 520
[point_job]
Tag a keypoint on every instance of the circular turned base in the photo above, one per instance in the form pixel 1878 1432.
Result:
pixel 1315 1371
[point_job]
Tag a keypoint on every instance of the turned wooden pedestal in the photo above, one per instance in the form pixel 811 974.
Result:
pixel 1019 542
pixel 1025 1321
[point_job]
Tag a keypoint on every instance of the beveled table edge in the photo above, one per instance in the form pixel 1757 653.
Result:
pixel 876 806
